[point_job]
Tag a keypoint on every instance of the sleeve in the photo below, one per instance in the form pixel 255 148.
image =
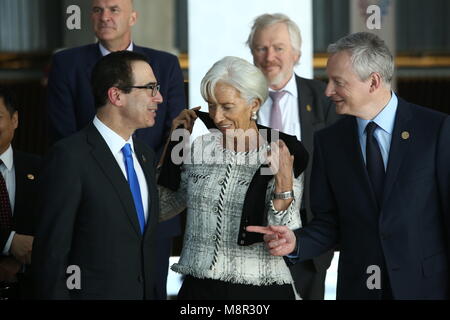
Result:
pixel 291 216
pixel 321 233
pixel 8 243
pixel 4 236
pixel 176 100
pixel 172 203
pixel 443 174
pixel 60 101
pixel 60 195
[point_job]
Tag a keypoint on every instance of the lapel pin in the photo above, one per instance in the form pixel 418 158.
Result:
pixel 30 176
pixel 405 135
pixel 308 108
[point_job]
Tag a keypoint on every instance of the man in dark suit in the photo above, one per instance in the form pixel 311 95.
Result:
pixel 17 195
pixel 71 104
pixel 380 182
pixel 275 43
pixel 99 205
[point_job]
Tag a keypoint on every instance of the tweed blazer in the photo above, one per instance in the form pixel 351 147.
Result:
pixel 213 187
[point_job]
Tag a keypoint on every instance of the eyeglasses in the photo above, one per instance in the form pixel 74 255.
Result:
pixel 151 86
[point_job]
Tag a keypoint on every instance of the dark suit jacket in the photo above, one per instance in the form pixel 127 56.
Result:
pixel 316 112
pixel 410 231
pixel 26 168
pixel 88 219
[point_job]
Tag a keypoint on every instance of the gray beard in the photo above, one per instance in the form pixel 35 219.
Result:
pixel 277 81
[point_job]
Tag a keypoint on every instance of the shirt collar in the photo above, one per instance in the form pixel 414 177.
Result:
pixel 113 140
pixel 290 87
pixel 105 51
pixel 385 119
pixel 7 158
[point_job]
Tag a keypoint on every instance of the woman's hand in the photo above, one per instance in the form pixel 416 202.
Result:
pixel 186 118
pixel 281 163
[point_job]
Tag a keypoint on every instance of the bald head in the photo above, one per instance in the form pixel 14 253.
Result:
pixel 112 21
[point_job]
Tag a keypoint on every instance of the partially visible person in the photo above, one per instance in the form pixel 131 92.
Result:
pixel 219 188
pixel 71 103
pixel 98 205
pixel 19 172
pixel 299 107
pixel 380 184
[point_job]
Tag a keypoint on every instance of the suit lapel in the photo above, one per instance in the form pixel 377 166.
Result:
pixel 146 165
pixel 352 148
pixel 21 183
pixel 305 104
pixel 93 54
pixel 20 178
pixel 106 161
pixel 399 146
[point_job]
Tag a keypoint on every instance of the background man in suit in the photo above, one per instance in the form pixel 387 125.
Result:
pixel 275 42
pixel 17 199
pixel 380 182
pixel 90 216
pixel 71 104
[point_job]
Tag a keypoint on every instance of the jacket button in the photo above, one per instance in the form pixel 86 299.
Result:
pixel 214 237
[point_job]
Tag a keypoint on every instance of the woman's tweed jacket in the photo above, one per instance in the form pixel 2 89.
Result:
pixel 213 187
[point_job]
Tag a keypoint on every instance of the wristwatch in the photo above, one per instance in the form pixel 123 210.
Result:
pixel 284 195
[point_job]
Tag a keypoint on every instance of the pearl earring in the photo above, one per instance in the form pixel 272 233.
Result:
pixel 254 116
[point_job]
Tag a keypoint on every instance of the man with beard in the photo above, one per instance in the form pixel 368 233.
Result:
pixel 299 107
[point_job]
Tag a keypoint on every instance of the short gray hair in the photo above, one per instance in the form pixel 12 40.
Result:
pixel 368 54
pixel 267 19
pixel 238 73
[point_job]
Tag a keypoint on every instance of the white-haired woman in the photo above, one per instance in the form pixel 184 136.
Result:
pixel 219 188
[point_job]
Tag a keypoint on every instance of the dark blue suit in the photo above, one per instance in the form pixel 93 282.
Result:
pixel 71 108
pixel 409 236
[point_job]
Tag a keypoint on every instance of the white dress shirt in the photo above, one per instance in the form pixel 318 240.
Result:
pixel 383 133
pixel 115 144
pixel 9 174
pixel 289 110
pixel 105 51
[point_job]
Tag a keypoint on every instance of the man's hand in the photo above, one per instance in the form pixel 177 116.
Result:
pixel 8 269
pixel 280 240
pixel 21 247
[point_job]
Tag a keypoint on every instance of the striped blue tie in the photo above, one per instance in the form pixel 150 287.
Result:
pixel 134 185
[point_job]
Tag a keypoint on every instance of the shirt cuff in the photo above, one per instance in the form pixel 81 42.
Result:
pixel 8 244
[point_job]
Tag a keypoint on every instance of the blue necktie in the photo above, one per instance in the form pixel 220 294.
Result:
pixel 374 162
pixel 134 184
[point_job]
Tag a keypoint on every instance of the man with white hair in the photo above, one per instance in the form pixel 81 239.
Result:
pixel 296 106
